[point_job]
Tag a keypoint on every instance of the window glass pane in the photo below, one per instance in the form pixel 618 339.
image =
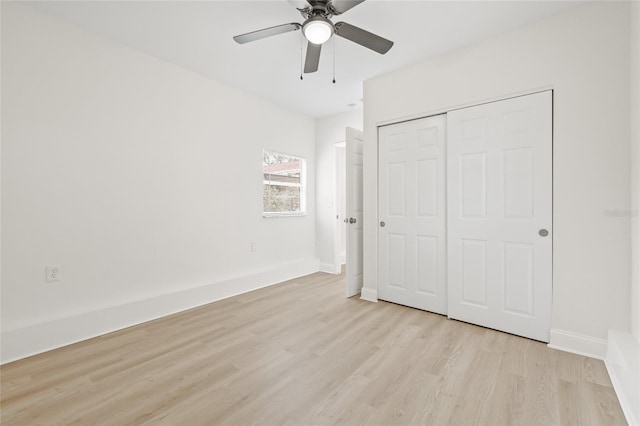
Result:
pixel 283 190
pixel 281 199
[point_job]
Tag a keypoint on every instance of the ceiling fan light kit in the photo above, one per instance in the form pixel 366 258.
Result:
pixel 318 28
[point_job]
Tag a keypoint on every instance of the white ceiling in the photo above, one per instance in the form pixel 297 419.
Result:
pixel 198 37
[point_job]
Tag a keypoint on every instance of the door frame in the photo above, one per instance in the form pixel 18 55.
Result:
pixel 370 291
pixel 340 188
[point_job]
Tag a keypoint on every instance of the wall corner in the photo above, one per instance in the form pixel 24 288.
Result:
pixel 623 365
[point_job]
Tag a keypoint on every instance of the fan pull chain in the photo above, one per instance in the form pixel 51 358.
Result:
pixel 334 60
pixel 301 55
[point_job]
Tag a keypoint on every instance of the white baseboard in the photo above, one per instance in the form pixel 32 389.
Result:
pixel 329 268
pixel 580 344
pixel 23 342
pixel 623 365
pixel 369 294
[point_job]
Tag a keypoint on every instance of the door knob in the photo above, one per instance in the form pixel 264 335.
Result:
pixel 346 220
pixel 543 232
pixel 352 220
pixel 382 224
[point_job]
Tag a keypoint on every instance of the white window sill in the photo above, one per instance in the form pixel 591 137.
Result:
pixel 296 214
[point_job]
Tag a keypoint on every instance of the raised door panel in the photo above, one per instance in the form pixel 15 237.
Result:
pixel 473 185
pixel 396 260
pixel 428 265
pixel 473 272
pixel 397 200
pixel 427 187
pixel 518 278
pixel 518 183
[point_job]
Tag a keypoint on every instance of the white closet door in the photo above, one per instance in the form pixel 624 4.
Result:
pixel 412 238
pixel 499 180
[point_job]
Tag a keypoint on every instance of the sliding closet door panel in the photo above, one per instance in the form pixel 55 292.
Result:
pixel 499 186
pixel 412 242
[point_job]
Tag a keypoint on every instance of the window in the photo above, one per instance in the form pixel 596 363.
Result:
pixel 284 189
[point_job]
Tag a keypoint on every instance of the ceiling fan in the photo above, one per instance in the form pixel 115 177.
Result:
pixel 318 28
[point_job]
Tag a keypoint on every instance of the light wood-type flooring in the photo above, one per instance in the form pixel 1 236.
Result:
pixel 300 353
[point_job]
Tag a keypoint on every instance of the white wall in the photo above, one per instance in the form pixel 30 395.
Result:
pixel 584 56
pixel 141 179
pixel 329 130
pixel 634 370
pixel 623 352
pixel 635 170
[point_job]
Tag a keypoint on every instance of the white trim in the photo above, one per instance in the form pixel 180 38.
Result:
pixel 623 366
pixel 289 184
pixel 580 344
pixel 284 214
pixel 31 340
pixel 339 189
pixel 450 108
pixel 329 268
pixel 369 294
pixel 302 185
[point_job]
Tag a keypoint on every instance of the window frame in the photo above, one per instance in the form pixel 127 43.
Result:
pixel 303 185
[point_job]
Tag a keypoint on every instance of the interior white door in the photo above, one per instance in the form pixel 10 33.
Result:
pixel 499 174
pixel 412 214
pixel 353 162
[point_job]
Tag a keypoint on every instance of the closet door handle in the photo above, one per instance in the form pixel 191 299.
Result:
pixel 352 220
pixel 543 232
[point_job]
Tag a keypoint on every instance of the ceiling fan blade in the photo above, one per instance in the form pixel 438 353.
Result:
pixel 341 6
pixel 312 60
pixel 267 32
pixel 299 4
pixel 363 38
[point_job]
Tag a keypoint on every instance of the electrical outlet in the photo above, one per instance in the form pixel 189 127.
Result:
pixel 53 273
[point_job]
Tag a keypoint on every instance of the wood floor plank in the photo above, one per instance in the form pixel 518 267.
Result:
pixel 541 392
pixel 301 353
pixel 508 400
pixel 474 399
